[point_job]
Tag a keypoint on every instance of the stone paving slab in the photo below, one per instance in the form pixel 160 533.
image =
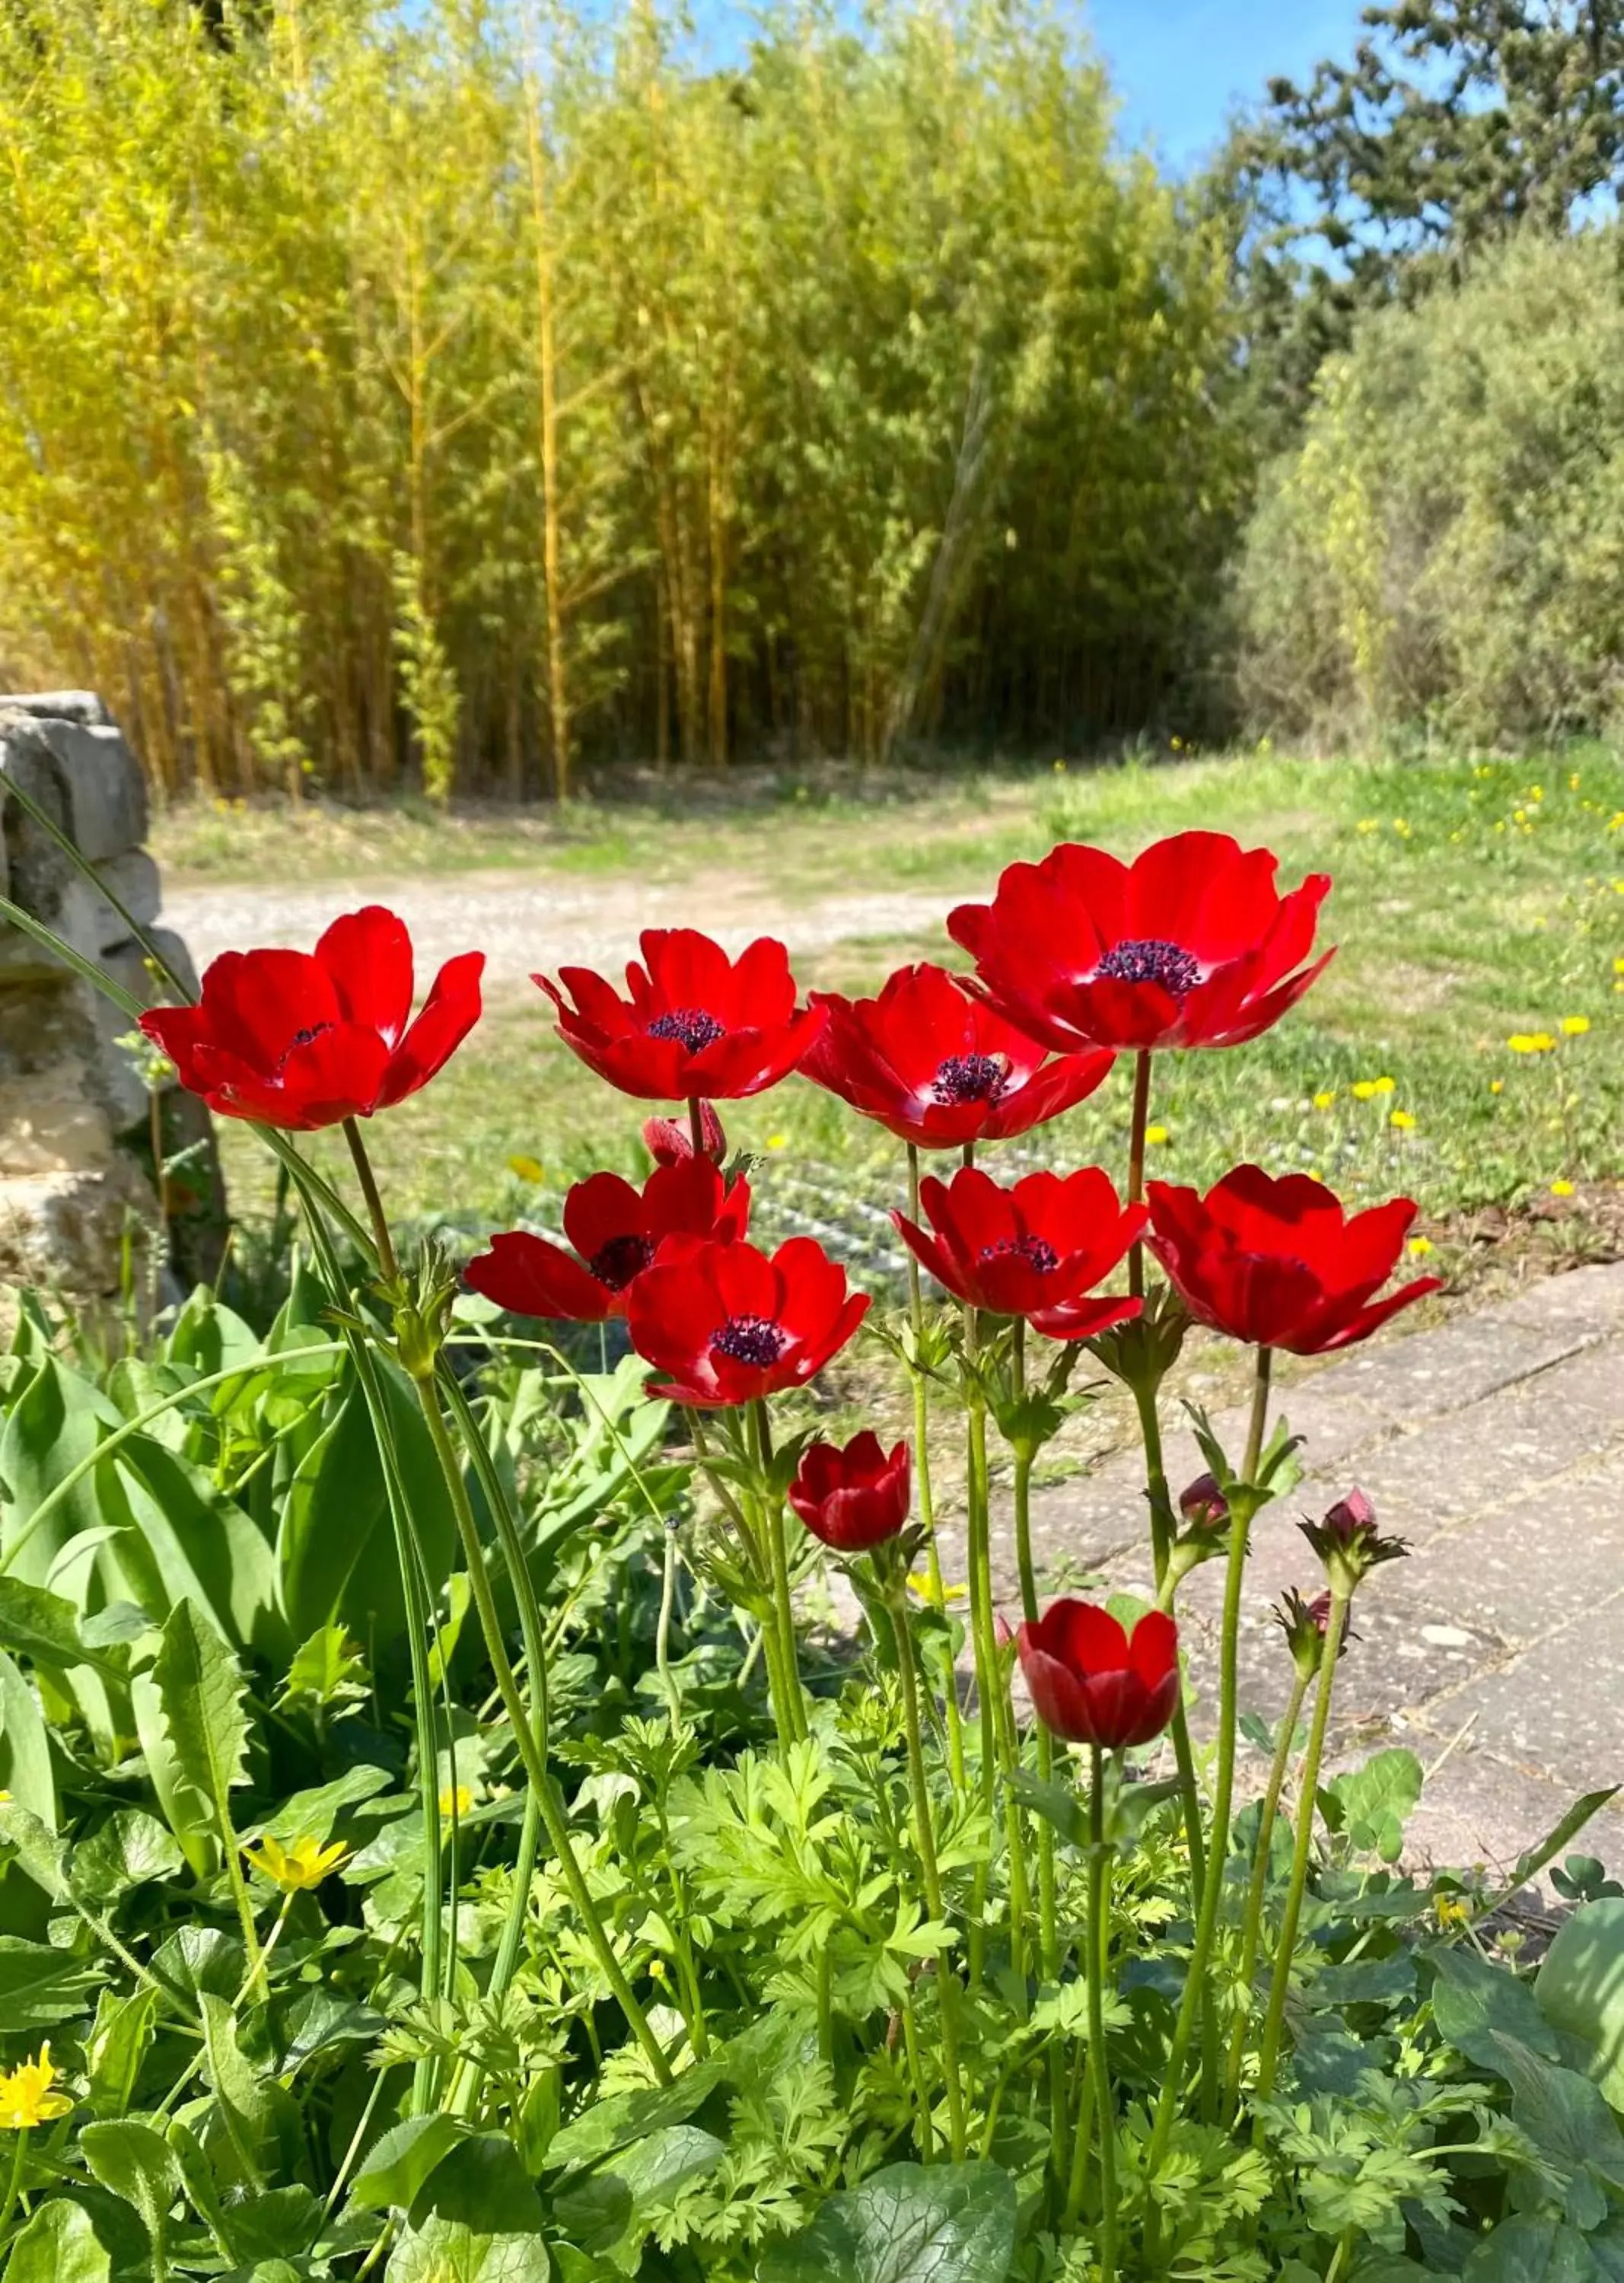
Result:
pixel 1495 1445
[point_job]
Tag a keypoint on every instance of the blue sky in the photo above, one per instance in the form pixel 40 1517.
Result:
pixel 1178 64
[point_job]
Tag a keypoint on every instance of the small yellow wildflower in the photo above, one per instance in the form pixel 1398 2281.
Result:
pixel 1531 1042
pixel 25 2095
pixel 1536 792
pixel 1496 1086
pixel 777 1141
pixel 1420 1246
pixel 1562 1188
pixel 1156 1134
pixel 456 1799
pixel 1324 1100
pixel 1452 1911
pixel 1574 1026
pixel 1573 783
pixel 1059 768
pixel 1402 826
pixel 1618 966
pixel 305 1864
pixel 1364 1088
pixel 528 1169
pixel 1402 1119
pixel 1368 824
pixel 920 1583
pixel 1519 816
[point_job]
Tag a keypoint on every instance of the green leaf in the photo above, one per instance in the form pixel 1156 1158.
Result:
pixel 45 1628
pixel 1476 2004
pixel 482 2183
pixel 130 1850
pixel 1378 1800
pixel 626 2116
pixel 200 1693
pixel 400 2159
pixel 119 2040
pixel 40 1986
pixel 335 1549
pixel 138 2165
pixel 249 2114
pixel 26 1769
pixel 312 1814
pixel 1529 1865
pixel 1057 1806
pixel 1568 2119
pixel 448 2251
pixel 58 2246
pixel 285 2219
pixel 907 2223
pixel 1580 1989
pixel 1523 2249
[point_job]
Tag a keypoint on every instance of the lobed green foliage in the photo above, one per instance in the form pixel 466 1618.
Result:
pixel 461 389
pixel 1443 546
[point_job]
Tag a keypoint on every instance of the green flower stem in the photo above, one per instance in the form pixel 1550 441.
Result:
pixel 768 1639
pixel 1081 2138
pixel 388 1267
pixel 1049 1944
pixel 1253 1924
pixel 1197 1994
pixel 1280 1973
pixel 14 2186
pixel 696 1125
pixel 662 1629
pixel 922 1465
pixel 915 2070
pixel 531 1751
pixel 772 1519
pixel 1099 1922
pixel 997 1746
pixel 1162 1546
pixel 935 1901
pixel 1136 1163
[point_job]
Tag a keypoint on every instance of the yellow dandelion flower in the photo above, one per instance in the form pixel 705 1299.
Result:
pixel 1573 783
pixel 1402 1119
pixel 1618 966
pixel 1574 1026
pixel 528 1169
pixel 456 1799
pixel 777 1141
pixel 26 2098
pixel 1519 816
pixel 1496 1086
pixel 1452 1911
pixel 1362 1088
pixel 305 1864
pixel 1324 1100
pixel 1368 824
pixel 1562 1188
pixel 1420 1246
pixel 1531 1042
pixel 1536 792
pixel 1156 1134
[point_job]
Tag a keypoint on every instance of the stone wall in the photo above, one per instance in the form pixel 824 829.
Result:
pixel 78 1212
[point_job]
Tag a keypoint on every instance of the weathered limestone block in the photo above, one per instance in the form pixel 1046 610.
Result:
pixel 78 1127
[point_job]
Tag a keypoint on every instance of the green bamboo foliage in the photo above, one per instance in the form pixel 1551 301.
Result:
pixel 464 396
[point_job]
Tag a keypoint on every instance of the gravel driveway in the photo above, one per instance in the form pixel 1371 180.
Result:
pixel 529 920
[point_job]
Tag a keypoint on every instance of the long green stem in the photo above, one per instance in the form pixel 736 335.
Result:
pixel 1197 1994
pixel 1104 2107
pixel 1285 1950
pixel 1253 1924
pixel 777 1559
pixel 386 1262
pixel 1161 1543
pixel 1136 1163
pixel 946 1977
pixel 14 2186
pixel 978 1564
pixel 922 1466
pixel 530 1750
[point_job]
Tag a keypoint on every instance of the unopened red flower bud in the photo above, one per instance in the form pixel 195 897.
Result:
pixel 1203 1504
pixel 668 1140
pixel 1350 1516
pixel 1347 1541
pixel 1093 1682
pixel 852 1499
pixel 1004 1633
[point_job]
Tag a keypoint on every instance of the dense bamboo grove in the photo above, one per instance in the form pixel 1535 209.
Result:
pixel 463 399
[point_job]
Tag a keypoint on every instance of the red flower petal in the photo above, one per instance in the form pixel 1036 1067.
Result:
pixel 367 954
pixel 529 1277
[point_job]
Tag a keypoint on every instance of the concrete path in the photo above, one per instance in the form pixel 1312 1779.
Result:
pixel 1494 1446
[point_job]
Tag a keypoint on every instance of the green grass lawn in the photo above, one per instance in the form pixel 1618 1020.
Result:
pixel 1474 902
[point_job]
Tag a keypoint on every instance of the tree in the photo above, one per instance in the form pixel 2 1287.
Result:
pixel 1455 122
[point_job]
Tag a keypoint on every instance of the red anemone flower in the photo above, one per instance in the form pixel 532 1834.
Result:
pixel 937 1067
pixel 1188 945
pixel 852 1499
pixel 617 1233
pixel 695 1022
pixel 1092 1682
pixel 725 1323
pixel 1036 1250
pixel 1279 1263
pixel 300 1038
pixel 669 1140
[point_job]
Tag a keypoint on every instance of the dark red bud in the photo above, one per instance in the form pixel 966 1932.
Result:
pixel 668 1140
pixel 1350 1518
pixel 1203 1505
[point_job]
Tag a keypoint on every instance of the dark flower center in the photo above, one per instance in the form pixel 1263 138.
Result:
pixel 616 1263
pixel 1152 961
pixel 754 1340
pixel 1036 1251
pixel 970 1078
pixel 690 1027
pixel 305 1037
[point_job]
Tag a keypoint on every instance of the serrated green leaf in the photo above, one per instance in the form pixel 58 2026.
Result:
pixel 45 1628
pixel 447 2251
pixel 200 1693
